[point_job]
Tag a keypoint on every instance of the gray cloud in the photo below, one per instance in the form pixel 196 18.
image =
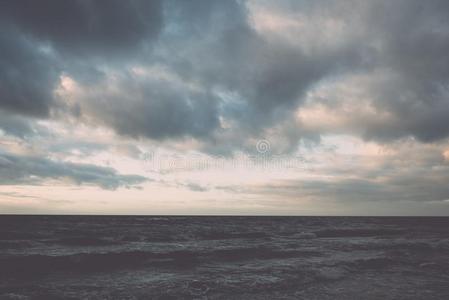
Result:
pixel 17 126
pixel 225 73
pixel 152 108
pixel 19 170
pixel 262 80
pixel 409 78
pixel 415 194
pixel 411 174
pixel 415 46
pixel 240 77
pixel 246 77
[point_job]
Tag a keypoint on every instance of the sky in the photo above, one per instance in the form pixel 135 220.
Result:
pixel 286 107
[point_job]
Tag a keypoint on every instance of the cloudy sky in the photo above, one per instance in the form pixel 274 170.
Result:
pixel 224 107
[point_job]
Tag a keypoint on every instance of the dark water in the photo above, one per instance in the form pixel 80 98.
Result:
pixel 90 257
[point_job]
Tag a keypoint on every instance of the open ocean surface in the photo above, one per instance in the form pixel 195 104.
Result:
pixel 138 257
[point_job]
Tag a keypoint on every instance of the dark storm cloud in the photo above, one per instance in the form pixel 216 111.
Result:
pixel 86 27
pixel 19 170
pixel 27 75
pixel 178 106
pixel 41 39
pixel 264 78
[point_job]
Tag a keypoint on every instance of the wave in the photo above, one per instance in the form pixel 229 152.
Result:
pixel 92 262
pixel 13 235
pixel 217 235
pixel 14 244
pixel 372 263
pixel 351 232
pixel 83 241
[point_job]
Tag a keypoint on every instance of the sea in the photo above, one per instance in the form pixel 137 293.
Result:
pixel 214 257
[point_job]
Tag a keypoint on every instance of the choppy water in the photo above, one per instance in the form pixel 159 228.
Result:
pixel 91 257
